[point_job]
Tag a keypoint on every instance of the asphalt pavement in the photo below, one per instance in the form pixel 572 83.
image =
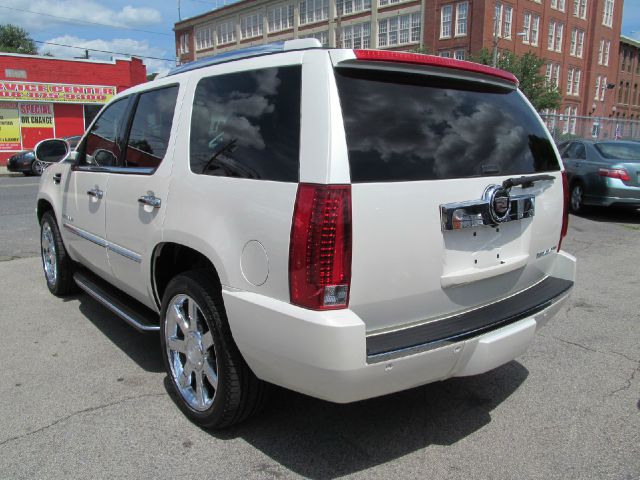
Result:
pixel 82 395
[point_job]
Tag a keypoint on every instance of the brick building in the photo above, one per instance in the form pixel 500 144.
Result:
pixel 578 38
pixel 43 97
pixel 627 101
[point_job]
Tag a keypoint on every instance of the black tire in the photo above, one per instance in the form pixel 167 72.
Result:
pixel 576 198
pixel 37 168
pixel 61 283
pixel 239 393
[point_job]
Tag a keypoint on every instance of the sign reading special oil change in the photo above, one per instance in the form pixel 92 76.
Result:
pixel 55 92
pixel 36 115
pixel 9 126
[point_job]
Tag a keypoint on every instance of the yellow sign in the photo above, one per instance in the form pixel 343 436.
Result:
pixel 36 115
pixel 55 92
pixel 9 126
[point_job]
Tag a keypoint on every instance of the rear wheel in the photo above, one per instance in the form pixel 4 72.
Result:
pixel 57 266
pixel 212 384
pixel 37 167
pixel 577 198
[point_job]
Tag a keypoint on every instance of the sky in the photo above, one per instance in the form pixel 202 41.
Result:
pixel 140 28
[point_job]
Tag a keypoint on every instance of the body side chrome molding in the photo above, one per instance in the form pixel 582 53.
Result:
pixel 125 252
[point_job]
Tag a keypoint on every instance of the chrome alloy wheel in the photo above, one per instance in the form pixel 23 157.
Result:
pixel 576 198
pixel 48 249
pixel 38 167
pixel 191 352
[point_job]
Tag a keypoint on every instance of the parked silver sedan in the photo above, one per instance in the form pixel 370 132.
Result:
pixel 602 173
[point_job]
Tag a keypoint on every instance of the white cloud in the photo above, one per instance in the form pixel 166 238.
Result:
pixel 120 45
pixel 81 10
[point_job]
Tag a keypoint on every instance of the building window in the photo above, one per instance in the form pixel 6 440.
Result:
pixel 461 19
pixel 580 8
pixel 526 28
pixel 347 7
pixel 445 21
pixel 623 61
pixel 573 81
pixel 555 36
pixel 553 74
pixel 322 37
pixel 460 54
pixel 356 36
pixel 204 38
pixel 251 26
pixel 603 89
pixel 312 11
pixel 607 14
pixel 183 46
pixel 399 30
pixel 570 114
pixel 598 80
pixel 570 72
pixel 389 2
pixel 280 18
pixel 530 28
pixel 558 5
pixel 577 42
pixel 535 29
pixel 502 20
pixel 445 54
pixel 226 32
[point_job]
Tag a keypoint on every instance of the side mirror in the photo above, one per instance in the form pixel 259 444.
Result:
pixel 52 151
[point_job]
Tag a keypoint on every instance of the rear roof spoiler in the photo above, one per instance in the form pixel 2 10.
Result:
pixel 433 61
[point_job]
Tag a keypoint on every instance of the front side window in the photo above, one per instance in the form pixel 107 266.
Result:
pixel 151 128
pixel 247 125
pixel 101 146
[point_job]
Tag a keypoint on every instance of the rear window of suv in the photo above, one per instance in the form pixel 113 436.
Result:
pixel 404 127
pixel 247 125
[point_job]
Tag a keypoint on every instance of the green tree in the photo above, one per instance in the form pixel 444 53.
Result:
pixel 14 39
pixel 528 70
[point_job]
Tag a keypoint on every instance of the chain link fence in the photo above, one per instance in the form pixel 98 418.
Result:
pixel 568 127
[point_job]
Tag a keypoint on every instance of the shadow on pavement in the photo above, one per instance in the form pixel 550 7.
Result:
pixel 142 348
pixel 317 439
pixel 612 215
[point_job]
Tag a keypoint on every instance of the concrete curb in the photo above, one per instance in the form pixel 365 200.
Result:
pixel 5 173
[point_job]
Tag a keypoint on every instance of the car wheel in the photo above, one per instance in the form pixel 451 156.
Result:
pixel 37 167
pixel 57 266
pixel 577 194
pixel 208 378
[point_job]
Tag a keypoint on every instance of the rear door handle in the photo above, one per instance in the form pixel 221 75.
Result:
pixel 150 200
pixel 57 178
pixel 95 192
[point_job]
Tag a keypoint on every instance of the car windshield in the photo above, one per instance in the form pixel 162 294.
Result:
pixel 622 151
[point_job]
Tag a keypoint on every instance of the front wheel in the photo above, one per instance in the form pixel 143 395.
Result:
pixel 209 379
pixel 57 266
pixel 37 167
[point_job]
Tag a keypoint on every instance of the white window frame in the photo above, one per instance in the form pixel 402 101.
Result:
pixel 460 54
pixel 280 17
pixel 184 43
pixel 551 38
pixel 390 27
pixel 574 42
pixel 251 26
pixel 607 13
pixel 559 33
pixel 226 32
pixel 598 80
pixel 556 75
pixel 204 37
pixel 349 7
pixel 607 48
pixel 526 28
pixel 576 81
pixel 322 36
pixel 318 12
pixel 508 21
pixel 535 30
pixel 570 72
pixel 497 20
pixel 357 35
pixel 446 21
pixel 580 48
pixel 604 88
pixel 462 16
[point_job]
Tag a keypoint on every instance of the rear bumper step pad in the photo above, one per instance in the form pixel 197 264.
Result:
pixel 470 324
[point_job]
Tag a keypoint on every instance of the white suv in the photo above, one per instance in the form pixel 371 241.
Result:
pixel 343 223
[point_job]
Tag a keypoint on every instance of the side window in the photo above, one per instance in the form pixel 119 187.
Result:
pixel 101 145
pixel 151 127
pixel 247 125
pixel 570 151
pixel 581 153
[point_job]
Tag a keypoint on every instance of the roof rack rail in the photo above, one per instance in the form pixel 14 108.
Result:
pixel 256 51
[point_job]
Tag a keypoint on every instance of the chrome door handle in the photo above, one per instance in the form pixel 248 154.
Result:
pixel 150 200
pixel 95 192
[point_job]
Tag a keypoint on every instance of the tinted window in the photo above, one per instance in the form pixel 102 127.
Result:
pixel 101 145
pixel 620 151
pixel 403 127
pixel 572 151
pixel 581 152
pixel 247 125
pixel 90 112
pixel 151 127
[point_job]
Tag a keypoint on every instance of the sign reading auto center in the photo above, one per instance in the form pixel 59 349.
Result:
pixel 45 97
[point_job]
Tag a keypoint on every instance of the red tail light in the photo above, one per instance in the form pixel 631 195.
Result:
pixel 565 209
pixel 614 173
pixel 320 248
pixel 418 58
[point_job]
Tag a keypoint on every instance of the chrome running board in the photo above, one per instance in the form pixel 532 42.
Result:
pixel 130 310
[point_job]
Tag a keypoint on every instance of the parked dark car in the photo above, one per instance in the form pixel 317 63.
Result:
pixel 25 161
pixel 605 174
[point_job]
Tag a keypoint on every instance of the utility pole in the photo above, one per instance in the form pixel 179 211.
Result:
pixel 494 63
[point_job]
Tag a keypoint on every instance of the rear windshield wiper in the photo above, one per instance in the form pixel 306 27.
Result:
pixel 526 182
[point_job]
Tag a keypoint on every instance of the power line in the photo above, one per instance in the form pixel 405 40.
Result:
pixel 73 20
pixel 105 51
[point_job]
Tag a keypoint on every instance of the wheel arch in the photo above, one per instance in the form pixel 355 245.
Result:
pixel 170 259
pixel 42 207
